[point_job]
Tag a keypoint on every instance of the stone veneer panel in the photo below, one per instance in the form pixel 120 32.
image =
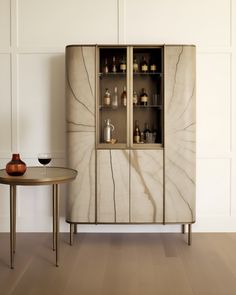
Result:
pixel 180 134
pixel 80 92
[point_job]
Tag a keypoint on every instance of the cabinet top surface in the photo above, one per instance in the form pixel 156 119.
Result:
pixel 129 45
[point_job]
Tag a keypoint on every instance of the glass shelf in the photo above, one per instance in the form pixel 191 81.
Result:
pixel 148 106
pixel 147 73
pixel 110 108
pixel 110 74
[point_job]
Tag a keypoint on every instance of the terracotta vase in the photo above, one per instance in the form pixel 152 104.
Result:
pixel 16 167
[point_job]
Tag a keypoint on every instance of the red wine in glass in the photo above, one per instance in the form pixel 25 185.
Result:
pixel 44 159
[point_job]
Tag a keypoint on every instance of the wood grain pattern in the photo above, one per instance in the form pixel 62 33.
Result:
pixel 121 264
pixel 180 134
pixel 80 93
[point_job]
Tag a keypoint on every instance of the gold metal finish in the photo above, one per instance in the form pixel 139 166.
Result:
pixel 14 219
pixel 36 176
pixel 71 234
pixel 12 233
pixel 189 234
pixel 53 218
pixel 183 228
pixel 56 212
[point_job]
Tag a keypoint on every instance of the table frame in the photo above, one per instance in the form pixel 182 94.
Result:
pixel 55 223
pixel 35 179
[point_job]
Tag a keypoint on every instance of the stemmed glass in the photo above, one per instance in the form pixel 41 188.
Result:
pixel 44 159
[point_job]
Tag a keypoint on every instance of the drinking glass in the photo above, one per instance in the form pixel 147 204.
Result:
pixel 44 159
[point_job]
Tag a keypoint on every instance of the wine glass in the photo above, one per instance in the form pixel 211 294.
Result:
pixel 44 159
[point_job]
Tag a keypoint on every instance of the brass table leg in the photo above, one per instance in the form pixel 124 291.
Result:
pixel 14 218
pixel 75 228
pixel 189 234
pixel 53 217
pixel 183 228
pixel 12 222
pixel 71 234
pixel 57 222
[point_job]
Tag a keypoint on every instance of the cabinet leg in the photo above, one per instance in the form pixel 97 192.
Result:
pixel 183 228
pixel 71 234
pixel 189 234
pixel 75 229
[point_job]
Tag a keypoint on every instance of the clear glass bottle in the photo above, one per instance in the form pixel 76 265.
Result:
pixel 107 98
pixel 114 68
pixel 105 68
pixel 135 65
pixel 135 98
pixel 124 97
pixel 144 97
pixel 146 132
pixel 144 65
pixel 114 101
pixel 122 65
pixel 137 134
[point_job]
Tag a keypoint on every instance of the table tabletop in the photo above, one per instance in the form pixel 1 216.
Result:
pixel 38 176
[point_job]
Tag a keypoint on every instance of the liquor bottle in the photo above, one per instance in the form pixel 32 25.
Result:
pixel 123 65
pixel 114 101
pixel 124 97
pixel 105 69
pixel 146 132
pixel 107 98
pixel 137 134
pixel 135 98
pixel 144 65
pixel 143 97
pixel 114 69
pixel 135 65
pixel 153 67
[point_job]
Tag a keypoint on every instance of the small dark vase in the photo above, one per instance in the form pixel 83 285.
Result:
pixel 16 167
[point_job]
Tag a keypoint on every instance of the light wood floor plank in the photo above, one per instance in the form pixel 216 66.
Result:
pixel 121 264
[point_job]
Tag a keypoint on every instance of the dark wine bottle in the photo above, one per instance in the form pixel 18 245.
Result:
pixel 144 65
pixel 143 97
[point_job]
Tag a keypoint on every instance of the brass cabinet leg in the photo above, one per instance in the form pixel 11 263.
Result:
pixel 12 222
pixel 183 228
pixel 75 228
pixel 71 234
pixel 189 234
pixel 14 218
pixel 57 222
pixel 53 217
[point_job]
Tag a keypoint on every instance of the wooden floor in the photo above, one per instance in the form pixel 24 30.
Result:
pixel 121 264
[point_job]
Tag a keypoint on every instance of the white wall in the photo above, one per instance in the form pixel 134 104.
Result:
pixel 33 34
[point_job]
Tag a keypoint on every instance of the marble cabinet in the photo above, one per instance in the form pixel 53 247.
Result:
pixel 146 186
pixel 180 134
pixel 126 182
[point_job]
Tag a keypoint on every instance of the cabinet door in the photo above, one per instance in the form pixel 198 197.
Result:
pixel 146 186
pixel 113 186
pixel 80 93
pixel 180 126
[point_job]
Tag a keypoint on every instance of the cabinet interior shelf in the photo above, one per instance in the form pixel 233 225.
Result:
pixel 134 73
pixel 110 108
